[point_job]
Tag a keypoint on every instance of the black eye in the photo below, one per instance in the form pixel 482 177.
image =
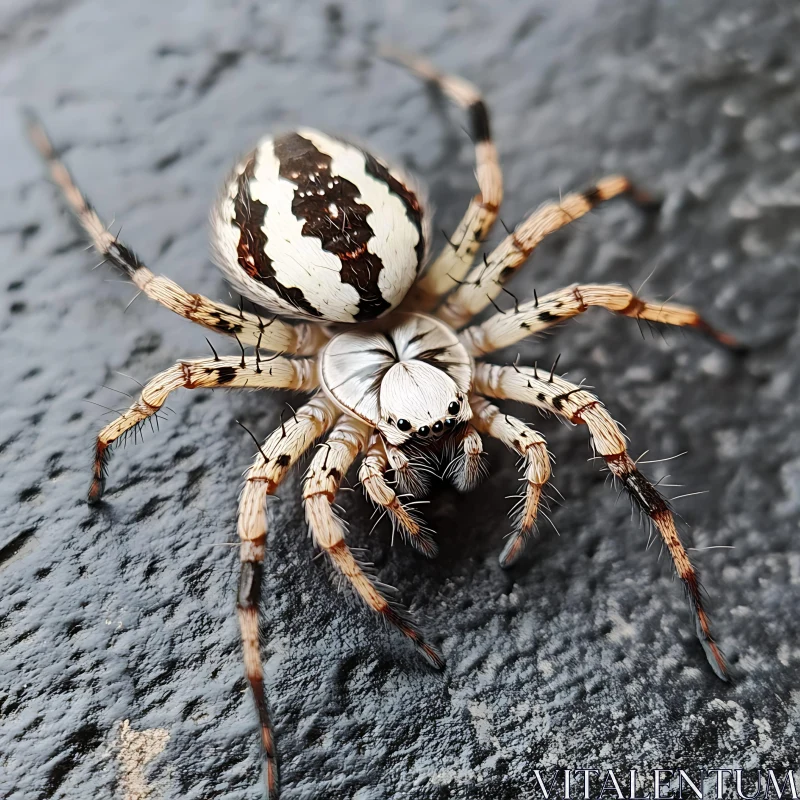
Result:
pixel 424 430
pixel 454 407
pixel 404 425
pixel 449 422
pixel 438 427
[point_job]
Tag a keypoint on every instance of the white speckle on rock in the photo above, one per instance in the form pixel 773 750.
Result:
pixel 135 750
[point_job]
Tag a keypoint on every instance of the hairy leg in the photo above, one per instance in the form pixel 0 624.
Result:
pixel 412 472
pixel 532 447
pixel 456 258
pixel 486 280
pixel 468 467
pixel 277 455
pixel 505 329
pixel 250 329
pixel 567 400
pixel 372 475
pixel 202 373
pixel 328 467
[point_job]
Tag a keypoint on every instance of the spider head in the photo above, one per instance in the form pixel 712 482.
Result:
pixel 420 403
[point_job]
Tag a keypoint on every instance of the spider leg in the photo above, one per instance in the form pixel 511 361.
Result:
pixel 280 451
pixel 503 330
pixel 412 472
pixel 456 257
pixel 529 444
pixel 232 372
pixel 486 280
pixel 468 467
pixel 329 465
pixel 372 475
pixel 567 400
pixel 274 335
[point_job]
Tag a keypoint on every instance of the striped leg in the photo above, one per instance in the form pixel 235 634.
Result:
pixel 250 329
pixel 503 330
pixel 203 373
pixel 456 258
pixel 280 451
pixel 582 408
pixel 517 436
pixel 468 467
pixel 333 459
pixel 372 475
pixel 486 280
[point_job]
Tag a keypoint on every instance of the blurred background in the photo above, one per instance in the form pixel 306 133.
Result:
pixel 583 655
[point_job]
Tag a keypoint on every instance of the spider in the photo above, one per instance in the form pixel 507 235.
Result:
pixel 333 241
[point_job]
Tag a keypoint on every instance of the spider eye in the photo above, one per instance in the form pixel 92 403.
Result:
pixel 424 430
pixel 404 425
pixel 438 426
pixel 454 407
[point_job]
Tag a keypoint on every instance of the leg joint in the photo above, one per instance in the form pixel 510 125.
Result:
pixel 577 419
pixel 634 307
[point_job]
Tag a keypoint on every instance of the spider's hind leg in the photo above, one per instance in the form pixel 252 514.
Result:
pixel 450 266
pixel 249 328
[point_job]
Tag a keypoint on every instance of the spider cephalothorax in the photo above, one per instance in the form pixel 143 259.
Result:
pixel 316 229
pixel 409 378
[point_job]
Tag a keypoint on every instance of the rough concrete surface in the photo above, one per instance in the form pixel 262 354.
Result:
pixel 120 620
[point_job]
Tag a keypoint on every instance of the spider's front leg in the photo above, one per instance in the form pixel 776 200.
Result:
pixel 557 396
pixel 372 475
pixel 203 373
pixel 328 467
pixel 456 258
pixel 412 473
pixel 280 451
pixel 468 467
pixel 249 329
pixel 532 447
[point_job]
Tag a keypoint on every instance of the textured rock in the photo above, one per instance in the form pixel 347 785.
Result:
pixel 583 655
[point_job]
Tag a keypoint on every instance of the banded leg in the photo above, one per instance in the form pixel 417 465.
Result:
pixel 468 467
pixel 280 451
pixel 329 465
pixel 203 373
pixel 529 444
pixel 582 408
pixel 456 257
pixel 250 329
pixel 503 330
pixel 486 280
pixel 372 475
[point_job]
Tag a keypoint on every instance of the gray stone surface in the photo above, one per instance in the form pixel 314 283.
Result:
pixel 583 655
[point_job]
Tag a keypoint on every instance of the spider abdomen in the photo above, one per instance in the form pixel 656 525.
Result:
pixel 312 226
